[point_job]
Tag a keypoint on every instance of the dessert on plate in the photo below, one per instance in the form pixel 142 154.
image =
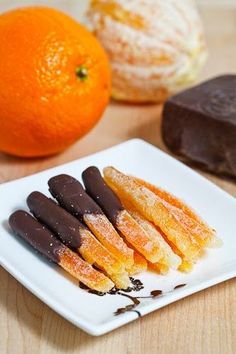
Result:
pixel 114 227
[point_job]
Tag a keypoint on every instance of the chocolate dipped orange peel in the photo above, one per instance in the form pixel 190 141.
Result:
pixel 115 227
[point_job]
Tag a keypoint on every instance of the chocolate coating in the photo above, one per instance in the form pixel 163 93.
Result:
pixel 37 235
pixel 62 223
pixel 200 124
pixel 70 193
pixel 97 188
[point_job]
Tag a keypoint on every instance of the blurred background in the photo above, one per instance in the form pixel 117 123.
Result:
pixel 130 120
pixel 76 8
pixel 213 12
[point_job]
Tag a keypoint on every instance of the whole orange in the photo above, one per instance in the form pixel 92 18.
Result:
pixel 54 81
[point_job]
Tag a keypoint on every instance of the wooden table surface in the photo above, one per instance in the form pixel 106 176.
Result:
pixel 202 323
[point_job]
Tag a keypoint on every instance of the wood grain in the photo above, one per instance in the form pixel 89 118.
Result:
pixel 202 323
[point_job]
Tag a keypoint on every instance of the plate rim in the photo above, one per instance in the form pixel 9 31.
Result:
pixel 134 141
pixel 100 329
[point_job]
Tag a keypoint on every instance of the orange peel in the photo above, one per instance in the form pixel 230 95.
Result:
pixel 153 208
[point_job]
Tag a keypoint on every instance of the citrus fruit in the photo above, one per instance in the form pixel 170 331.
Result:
pixel 156 47
pixel 55 81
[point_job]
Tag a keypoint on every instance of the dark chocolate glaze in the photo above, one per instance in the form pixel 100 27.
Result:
pixel 155 293
pixel 97 188
pixel 136 302
pixel 37 235
pixel 137 285
pixel 91 291
pixel 130 307
pixel 70 193
pixel 126 309
pixel 179 286
pixel 62 223
pixel 200 125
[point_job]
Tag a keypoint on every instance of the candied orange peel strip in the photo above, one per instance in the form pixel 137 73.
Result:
pixel 77 236
pixel 95 253
pixel 202 233
pixel 139 266
pixel 185 266
pixel 44 241
pixel 169 258
pixel 83 271
pixel 71 195
pixel 159 268
pixel 172 258
pixel 152 207
pixel 135 235
pixel 108 236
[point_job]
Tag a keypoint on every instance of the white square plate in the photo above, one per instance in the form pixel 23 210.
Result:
pixel 90 312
